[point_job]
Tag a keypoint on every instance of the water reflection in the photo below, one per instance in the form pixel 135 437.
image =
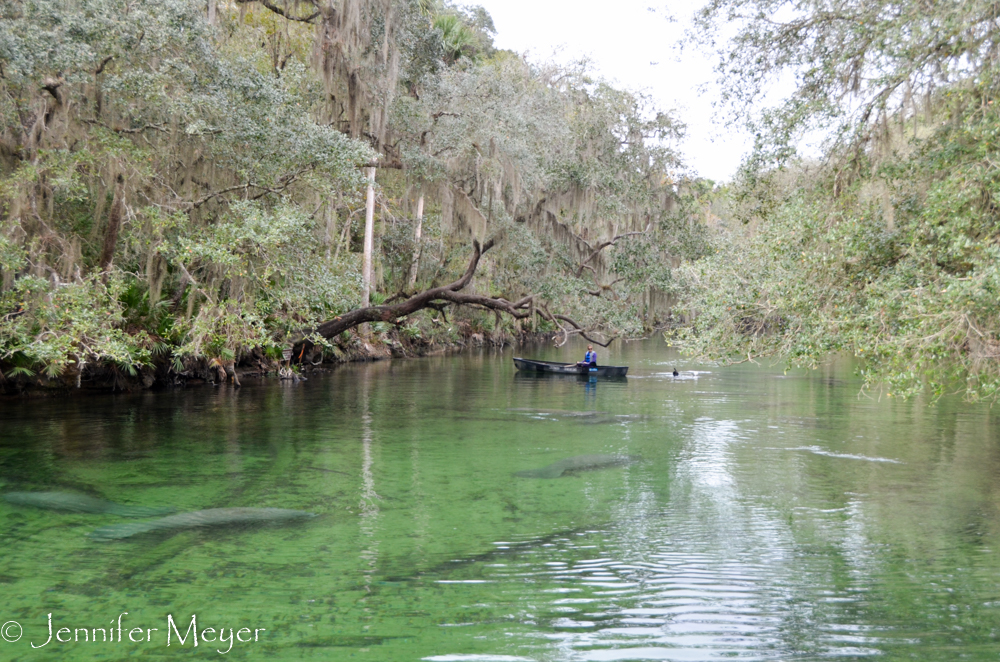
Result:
pixel 772 516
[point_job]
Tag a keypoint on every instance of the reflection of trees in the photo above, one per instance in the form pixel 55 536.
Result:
pixel 369 498
pixel 410 463
pixel 896 543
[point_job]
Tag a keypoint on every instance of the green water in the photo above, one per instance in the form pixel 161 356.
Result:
pixel 771 517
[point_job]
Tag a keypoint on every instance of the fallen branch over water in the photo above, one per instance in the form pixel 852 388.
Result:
pixel 437 297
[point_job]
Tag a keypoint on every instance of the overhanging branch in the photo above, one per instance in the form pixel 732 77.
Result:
pixel 576 330
pixel 604 244
pixel 437 298
pixel 447 293
pixel 281 12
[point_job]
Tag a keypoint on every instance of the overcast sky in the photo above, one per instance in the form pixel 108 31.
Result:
pixel 634 46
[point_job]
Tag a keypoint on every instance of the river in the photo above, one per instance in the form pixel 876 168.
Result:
pixel 772 516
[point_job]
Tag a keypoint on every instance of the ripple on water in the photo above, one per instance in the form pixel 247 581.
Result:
pixel 878 534
pixel 682 600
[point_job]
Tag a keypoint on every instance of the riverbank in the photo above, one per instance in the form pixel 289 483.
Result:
pixel 165 372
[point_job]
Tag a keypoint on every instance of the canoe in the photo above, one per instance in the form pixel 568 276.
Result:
pixel 550 367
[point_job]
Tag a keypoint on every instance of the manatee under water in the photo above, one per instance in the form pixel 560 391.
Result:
pixel 199 518
pixel 557 412
pixel 571 465
pixel 591 417
pixel 81 503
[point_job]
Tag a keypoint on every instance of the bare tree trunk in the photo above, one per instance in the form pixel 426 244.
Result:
pixel 415 265
pixel 378 277
pixel 366 264
pixel 211 12
pixel 345 237
pixel 114 223
pixel 331 227
pixel 888 212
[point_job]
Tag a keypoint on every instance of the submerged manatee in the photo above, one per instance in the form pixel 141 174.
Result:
pixel 210 517
pixel 557 412
pixel 576 463
pixel 81 503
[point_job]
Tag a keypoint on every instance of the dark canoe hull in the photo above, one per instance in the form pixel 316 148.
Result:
pixel 548 367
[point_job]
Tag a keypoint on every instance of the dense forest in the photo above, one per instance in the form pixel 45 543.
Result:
pixel 885 246
pixel 188 187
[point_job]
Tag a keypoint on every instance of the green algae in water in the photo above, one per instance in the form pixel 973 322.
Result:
pixel 81 503
pixel 763 521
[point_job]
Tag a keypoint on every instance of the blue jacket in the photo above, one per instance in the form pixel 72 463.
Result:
pixel 591 357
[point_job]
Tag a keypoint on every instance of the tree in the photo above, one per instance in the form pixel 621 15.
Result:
pixel 887 248
pixel 177 191
pixel 131 140
pixel 438 297
pixel 854 63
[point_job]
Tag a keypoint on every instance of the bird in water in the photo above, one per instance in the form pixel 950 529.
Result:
pixel 676 374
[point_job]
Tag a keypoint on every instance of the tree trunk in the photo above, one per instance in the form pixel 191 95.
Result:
pixel 366 263
pixel 211 12
pixel 345 238
pixel 888 212
pixel 114 223
pixel 331 227
pixel 415 265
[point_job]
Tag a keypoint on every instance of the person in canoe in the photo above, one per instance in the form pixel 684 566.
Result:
pixel 590 359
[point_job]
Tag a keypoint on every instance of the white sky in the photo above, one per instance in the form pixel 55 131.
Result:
pixel 623 39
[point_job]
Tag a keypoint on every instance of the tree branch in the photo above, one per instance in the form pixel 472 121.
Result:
pixel 104 62
pixel 583 332
pixel 286 181
pixel 438 298
pixel 281 12
pixel 419 301
pixel 577 328
pixel 603 245
pixel 602 288
pixel 155 127
pixel 396 165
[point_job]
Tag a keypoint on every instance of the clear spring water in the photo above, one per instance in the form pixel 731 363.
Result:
pixel 772 517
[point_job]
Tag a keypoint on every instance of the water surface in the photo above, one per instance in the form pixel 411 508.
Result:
pixel 772 516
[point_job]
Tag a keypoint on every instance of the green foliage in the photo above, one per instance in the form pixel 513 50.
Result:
pixel 852 63
pixel 172 189
pixel 899 268
pixel 219 158
pixel 457 39
pixel 224 330
pixel 888 250
pixel 527 145
pixel 58 328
